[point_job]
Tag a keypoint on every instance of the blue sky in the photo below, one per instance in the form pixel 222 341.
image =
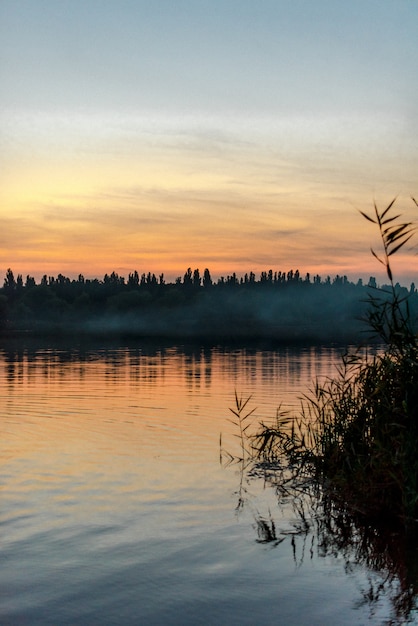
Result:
pixel 212 58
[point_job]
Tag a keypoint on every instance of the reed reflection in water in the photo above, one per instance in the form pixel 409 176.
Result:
pixel 114 507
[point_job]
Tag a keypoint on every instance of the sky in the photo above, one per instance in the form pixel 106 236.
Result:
pixel 233 135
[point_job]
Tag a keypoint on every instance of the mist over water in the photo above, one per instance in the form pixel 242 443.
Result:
pixel 116 509
pixel 288 317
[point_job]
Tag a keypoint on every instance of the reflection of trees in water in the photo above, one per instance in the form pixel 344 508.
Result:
pixel 197 368
pixel 325 527
pixel 197 365
pixel 385 548
pixel 28 358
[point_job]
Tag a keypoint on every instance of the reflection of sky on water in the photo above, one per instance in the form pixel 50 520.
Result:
pixel 114 504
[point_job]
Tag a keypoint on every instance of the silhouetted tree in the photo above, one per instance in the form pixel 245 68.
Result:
pixel 61 280
pixel 151 279
pixel 19 282
pixel 232 280
pixel 207 280
pixel 196 278
pixel 187 278
pixel 9 283
pixel 133 279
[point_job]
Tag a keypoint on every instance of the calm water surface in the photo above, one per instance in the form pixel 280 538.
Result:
pixel 115 508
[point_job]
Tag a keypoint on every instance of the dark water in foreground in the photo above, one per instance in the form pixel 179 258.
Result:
pixel 115 509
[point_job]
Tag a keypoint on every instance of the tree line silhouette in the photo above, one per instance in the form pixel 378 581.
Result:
pixel 276 305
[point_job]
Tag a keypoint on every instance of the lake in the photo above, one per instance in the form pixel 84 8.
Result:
pixel 116 509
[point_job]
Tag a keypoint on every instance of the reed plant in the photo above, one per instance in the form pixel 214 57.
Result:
pixel 348 462
pixel 357 432
pixel 243 424
pixel 244 457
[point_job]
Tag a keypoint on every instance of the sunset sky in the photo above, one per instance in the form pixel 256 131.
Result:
pixel 229 134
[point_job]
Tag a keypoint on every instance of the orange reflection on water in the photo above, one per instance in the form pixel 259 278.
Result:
pixel 129 436
pixel 145 399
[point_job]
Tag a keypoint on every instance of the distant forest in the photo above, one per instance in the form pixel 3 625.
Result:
pixel 283 306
